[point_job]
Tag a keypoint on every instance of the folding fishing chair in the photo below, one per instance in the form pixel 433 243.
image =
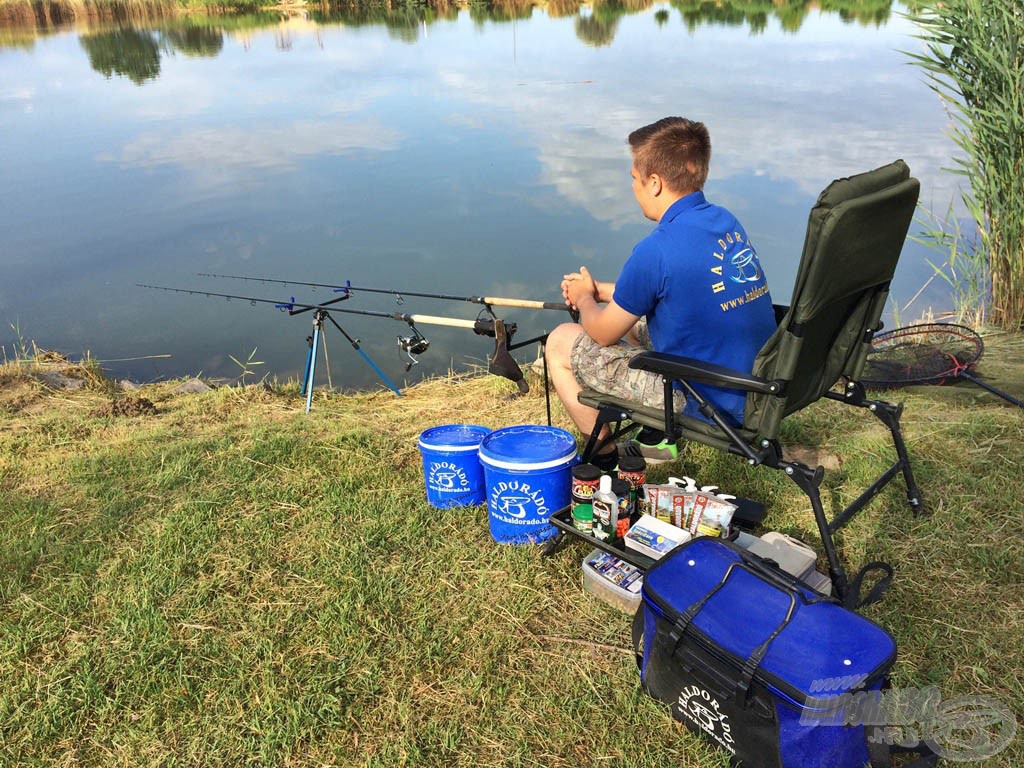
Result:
pixel 854 237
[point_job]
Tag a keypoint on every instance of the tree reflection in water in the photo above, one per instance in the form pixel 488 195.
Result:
pixel 134 46
pixel 131 53
pixel 135 53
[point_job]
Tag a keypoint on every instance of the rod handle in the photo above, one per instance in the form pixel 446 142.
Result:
pixel 435 320
pixel 524 303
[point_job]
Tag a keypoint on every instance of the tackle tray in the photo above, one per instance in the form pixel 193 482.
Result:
pixel 748 514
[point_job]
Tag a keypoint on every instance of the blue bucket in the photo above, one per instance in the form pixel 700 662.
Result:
pixel 451 467
pixel 528 470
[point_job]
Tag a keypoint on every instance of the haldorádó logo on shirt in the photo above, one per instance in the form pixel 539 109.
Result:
pixel 736 261
pixel 747 268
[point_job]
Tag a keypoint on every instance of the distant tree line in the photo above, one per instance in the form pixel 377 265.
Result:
pixel 595 24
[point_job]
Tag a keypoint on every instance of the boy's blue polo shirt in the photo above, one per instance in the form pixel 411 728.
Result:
pixel 698 280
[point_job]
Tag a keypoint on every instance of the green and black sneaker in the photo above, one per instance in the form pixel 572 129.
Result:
pixel 658 453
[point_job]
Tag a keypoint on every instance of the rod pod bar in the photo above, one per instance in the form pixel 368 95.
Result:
pixel 496 301
pixel 501 363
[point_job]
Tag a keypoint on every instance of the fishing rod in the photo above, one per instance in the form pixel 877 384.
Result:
pixel 319 315
pixel 501 362
pixel 347 289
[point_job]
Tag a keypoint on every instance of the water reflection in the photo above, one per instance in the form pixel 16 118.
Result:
pixel 755 14
pixel 128 52
pixel 196 40
pixel 475 149
pixel 135 53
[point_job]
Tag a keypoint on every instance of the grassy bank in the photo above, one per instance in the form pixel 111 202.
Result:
pixel 219 579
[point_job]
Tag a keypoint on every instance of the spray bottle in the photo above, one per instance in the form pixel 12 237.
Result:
pixel 606 510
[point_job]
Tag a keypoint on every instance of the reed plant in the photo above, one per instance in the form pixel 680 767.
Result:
pixel 973 60
pixel 966 276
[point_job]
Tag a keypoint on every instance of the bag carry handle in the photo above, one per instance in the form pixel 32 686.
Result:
pixel 853 599
pixel 772 575
pixel 753 661
pixel 770 571
pixel 785 587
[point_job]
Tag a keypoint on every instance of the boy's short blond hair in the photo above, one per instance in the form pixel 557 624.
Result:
pixel 676 149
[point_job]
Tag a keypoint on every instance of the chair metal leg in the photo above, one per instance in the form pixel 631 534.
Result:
pixel 809 481
pixel 555 544
pixel 607 415
pixel 889 415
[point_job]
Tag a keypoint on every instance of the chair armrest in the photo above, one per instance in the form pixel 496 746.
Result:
pixel 690 369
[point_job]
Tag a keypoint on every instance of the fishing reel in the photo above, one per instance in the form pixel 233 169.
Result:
pixel 413 344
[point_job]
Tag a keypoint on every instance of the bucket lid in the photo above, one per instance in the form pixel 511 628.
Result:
pixel 453 437
pixel 528 447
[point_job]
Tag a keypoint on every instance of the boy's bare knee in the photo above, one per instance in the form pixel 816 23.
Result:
pixel 560 341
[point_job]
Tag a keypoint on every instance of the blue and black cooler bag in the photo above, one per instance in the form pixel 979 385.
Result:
pixel 756 661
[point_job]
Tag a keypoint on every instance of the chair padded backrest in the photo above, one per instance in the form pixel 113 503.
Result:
pixel 855 234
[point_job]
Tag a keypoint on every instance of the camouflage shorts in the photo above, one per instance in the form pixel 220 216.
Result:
pixel 607 370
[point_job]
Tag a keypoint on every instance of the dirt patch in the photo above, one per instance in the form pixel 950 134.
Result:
pixel 813 457
pixel 16 393
pixel 127 406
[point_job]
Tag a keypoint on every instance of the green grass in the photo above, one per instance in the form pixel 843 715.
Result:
pixel 231 582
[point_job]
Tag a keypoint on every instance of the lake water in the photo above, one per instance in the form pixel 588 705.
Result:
pixel 463 152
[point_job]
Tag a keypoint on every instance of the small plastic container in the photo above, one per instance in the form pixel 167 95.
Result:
pixel 612 581
pixel 655 538
pixel 633 469
pixel 583 518
pixel 791 555
pixel 585 480
pixel 622 492
pixel 605 506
